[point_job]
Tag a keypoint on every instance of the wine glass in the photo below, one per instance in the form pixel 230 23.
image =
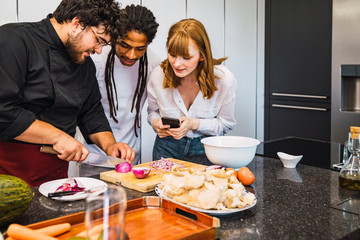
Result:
pixel 105 214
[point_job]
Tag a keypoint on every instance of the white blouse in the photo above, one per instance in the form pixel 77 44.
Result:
pixel 217 114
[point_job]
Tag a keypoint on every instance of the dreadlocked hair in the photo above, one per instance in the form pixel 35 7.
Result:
pixel 141 20
pixel 110 83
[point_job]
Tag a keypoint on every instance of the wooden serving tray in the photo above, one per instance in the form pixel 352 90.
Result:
pixel 150 218
pixel 147 184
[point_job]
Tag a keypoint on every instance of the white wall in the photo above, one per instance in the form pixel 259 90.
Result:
pixel 240 47
pixel 211 14
pixel 165 19
pixel 8 11
pixel 235 28
pixel 260 77
pixel 30 11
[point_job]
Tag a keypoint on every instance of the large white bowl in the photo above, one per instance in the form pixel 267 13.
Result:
pixel 230 151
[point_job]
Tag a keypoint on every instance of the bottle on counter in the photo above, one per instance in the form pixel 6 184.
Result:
pixel 349 176
pixel 346 154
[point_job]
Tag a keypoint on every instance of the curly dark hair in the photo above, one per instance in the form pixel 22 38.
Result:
pixel 92 13
pixel 141 20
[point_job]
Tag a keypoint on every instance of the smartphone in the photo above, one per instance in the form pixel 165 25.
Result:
pixel 173 122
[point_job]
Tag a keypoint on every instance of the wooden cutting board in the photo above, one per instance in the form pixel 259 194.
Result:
pixel 147 184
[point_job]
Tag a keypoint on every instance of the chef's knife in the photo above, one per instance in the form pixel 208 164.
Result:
pixel 67 193
pixel 92 158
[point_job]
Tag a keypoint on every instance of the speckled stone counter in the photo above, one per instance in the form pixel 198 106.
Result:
pixel 301 203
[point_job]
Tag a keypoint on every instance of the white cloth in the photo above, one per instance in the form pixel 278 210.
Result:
pixel 126 81
pixel 217 114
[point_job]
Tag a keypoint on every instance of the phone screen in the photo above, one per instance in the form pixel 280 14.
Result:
pixel 173 122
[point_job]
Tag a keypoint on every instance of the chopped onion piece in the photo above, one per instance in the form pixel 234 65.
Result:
pixel 164 164
pixel 213 167
pixel 70 185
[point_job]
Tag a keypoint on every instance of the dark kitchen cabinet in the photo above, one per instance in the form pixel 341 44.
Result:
pixel 300 119
pixel 298 68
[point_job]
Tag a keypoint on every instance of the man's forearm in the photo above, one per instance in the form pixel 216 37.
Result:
pixel 103 140
pixel 40 132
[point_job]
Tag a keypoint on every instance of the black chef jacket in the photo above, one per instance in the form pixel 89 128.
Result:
pixel 38 80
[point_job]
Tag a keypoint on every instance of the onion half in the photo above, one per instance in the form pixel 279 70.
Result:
pixel 141 172
pixel 123 167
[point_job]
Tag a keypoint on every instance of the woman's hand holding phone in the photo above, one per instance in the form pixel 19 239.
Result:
pixel 186 124
pixel 172 122
pixel 159 128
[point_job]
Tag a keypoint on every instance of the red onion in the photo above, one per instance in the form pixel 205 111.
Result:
pixel 164 164
pixel 213 167
pixel 141 172
pixel 70 185
pixel 123 167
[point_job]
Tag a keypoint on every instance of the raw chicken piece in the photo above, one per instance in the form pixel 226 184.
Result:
pixel 173 185
pixel 190 197
pixel 205 197
pixel 213 189
pixel 247 197
pixel 233 179
pixel 209 196
pixel 193 181
pixel 170 191
pixel 238 187
pixel 219 181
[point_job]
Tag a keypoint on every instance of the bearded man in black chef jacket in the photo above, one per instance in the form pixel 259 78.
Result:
pixel 48 87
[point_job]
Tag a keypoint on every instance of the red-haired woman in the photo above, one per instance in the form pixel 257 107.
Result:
pixel 192 86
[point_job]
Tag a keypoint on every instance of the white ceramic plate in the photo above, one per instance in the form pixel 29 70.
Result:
pixel 159 192
pixel 88 183
pixel 1 236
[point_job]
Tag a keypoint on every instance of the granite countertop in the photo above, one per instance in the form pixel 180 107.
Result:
pixel 300 203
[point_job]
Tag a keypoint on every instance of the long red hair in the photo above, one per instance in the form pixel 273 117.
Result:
pixel 180 34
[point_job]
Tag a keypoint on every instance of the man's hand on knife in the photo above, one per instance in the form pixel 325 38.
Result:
pixel 40 132
pixel 71 149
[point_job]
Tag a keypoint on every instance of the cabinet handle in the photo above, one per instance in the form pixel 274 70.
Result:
pixel 299 107
pixel 299 95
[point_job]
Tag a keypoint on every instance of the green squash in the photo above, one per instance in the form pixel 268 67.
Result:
pixel 15 198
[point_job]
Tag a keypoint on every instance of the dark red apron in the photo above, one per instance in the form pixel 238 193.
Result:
pixel 28 163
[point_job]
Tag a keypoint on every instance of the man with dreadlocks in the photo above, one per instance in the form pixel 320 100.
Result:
pixel 122 72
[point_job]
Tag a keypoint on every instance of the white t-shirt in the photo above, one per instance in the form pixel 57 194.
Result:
pixel 125 80
pixel 217 114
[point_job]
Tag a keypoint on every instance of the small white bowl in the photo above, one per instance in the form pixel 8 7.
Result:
pixel 230 151
pixel 289 161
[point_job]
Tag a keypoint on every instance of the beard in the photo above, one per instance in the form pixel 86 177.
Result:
pixel 72 48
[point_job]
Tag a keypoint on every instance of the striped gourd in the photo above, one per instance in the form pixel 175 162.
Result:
pixel 15 198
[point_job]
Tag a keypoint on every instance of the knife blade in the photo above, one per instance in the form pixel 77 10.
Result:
pixel 91 159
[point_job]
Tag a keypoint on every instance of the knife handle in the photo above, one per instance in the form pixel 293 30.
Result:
pixel 59 194
pixel 48 149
